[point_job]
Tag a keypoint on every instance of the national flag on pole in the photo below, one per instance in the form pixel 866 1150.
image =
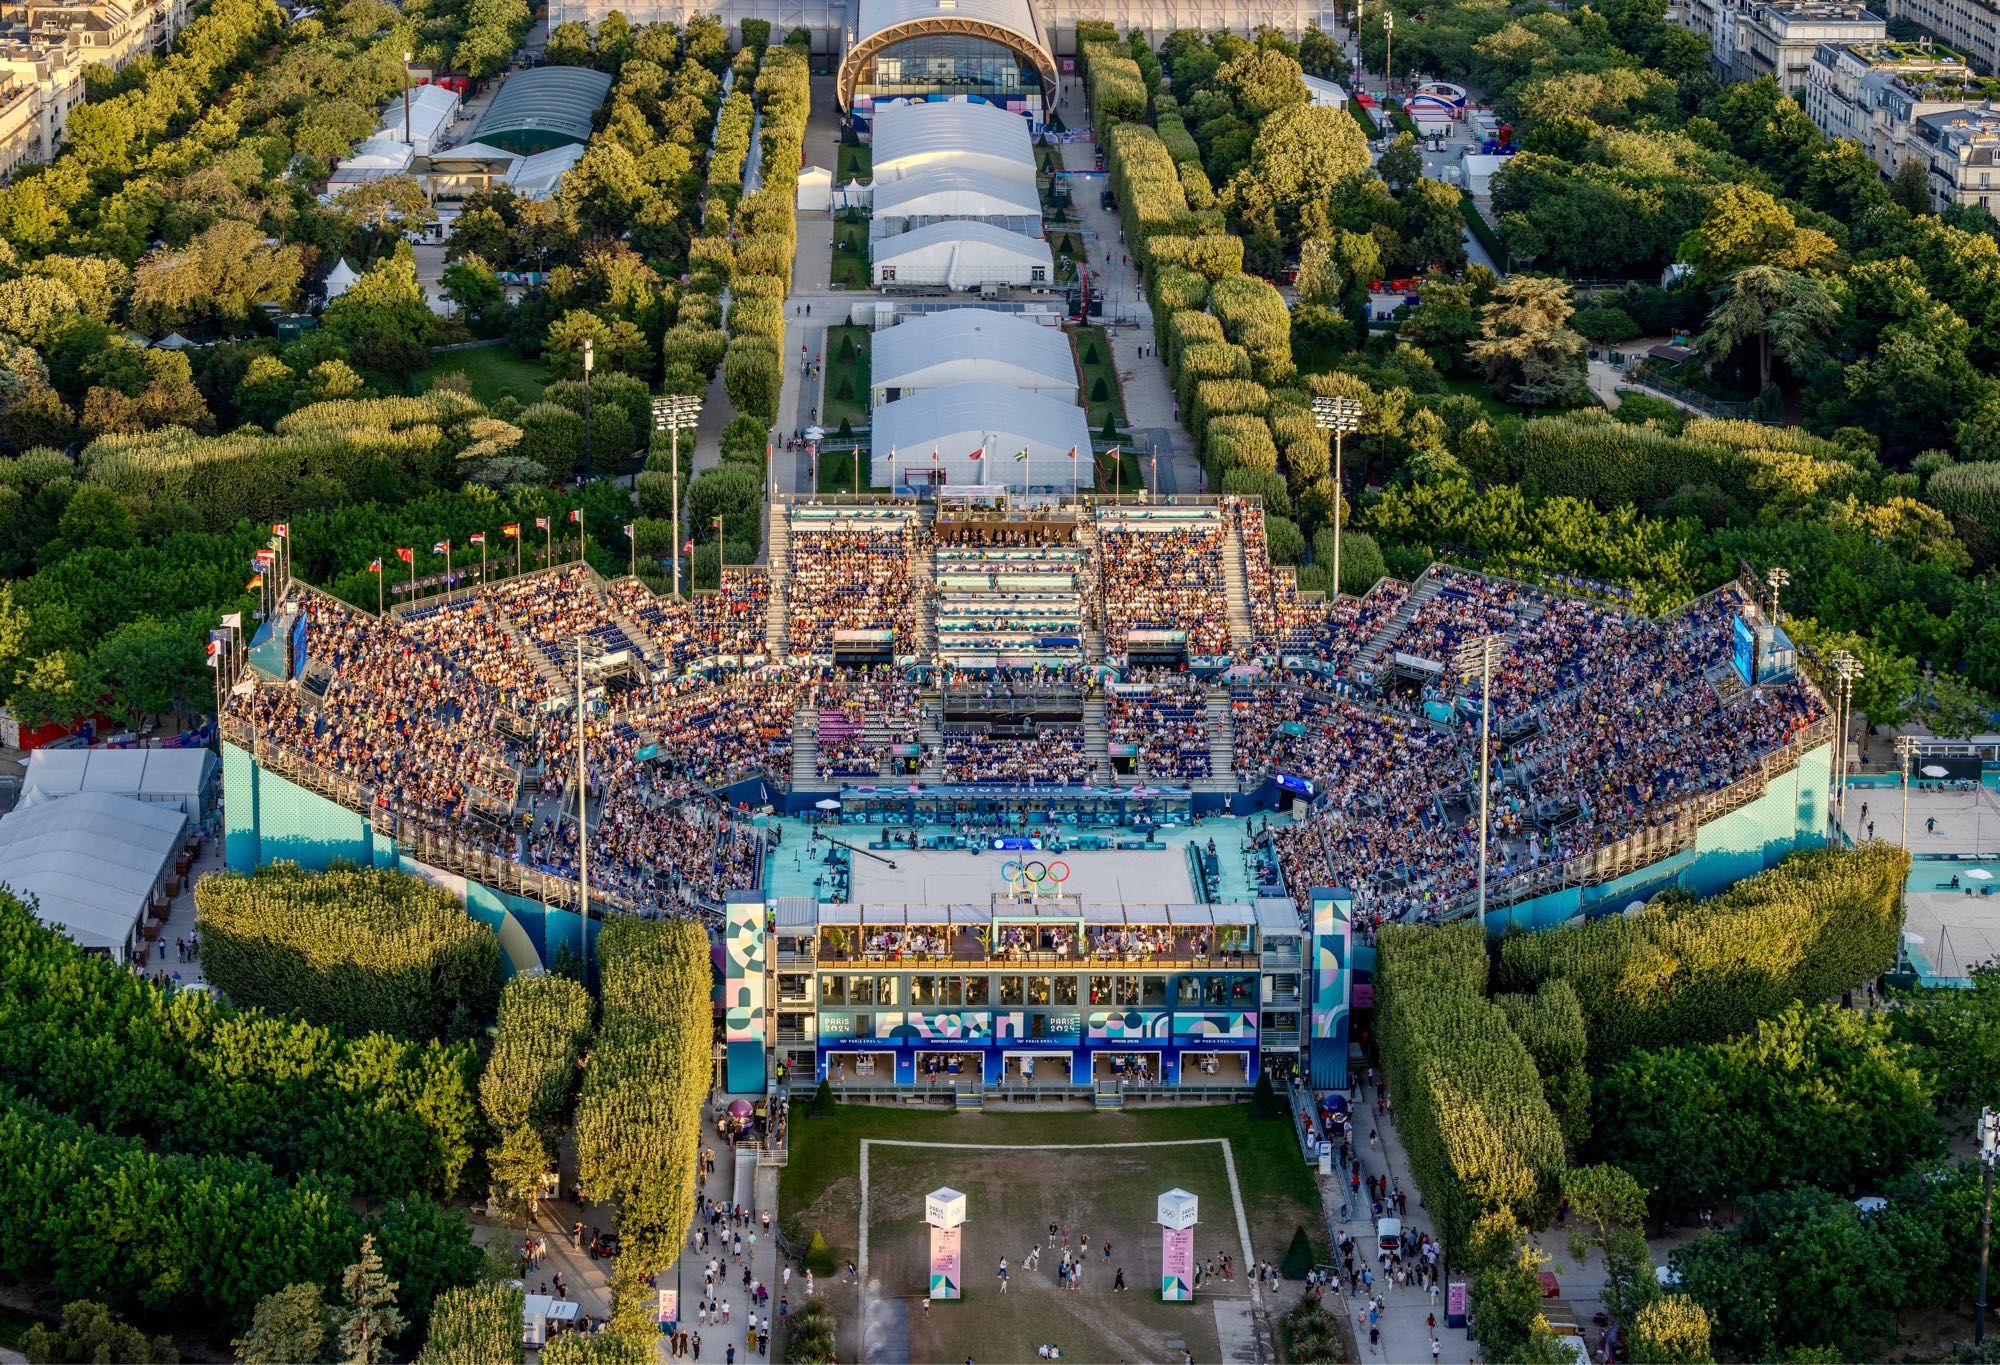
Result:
pixel 575 514
pixel 716 522
pixel 1021 455
pixel 629 527
pixel 262 559
pixel 1112 454
pixel 374 566
pixel 443 547
pixel 978 454
pixel 406 554
pixel 476 538
pixel 1072 452
pixel 934 455
pixel 688 548
pixel 512 530
pixel 541 523
pixel 233 620
pixel 254 584
pixel 282 528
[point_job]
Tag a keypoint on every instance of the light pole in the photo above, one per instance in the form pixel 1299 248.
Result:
pixel 1339 416
pixel 589 362
pixel 1989 1151
pixel 1849 668
pixel 671 412
pixel 1906 753
pixel 1776 579
pixel 585 646
pixel 1477 656
pixel 1388 41
pixel 407 58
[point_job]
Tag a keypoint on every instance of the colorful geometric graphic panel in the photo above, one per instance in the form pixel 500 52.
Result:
pixel 1125 1026
pixel 1200 1028
pixel 744 1016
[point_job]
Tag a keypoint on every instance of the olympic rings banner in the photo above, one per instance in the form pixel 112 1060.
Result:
pixel 1035 876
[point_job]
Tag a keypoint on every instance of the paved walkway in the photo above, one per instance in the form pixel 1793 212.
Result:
pixel 812 270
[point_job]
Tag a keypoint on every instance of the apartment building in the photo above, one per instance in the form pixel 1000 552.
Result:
pixel 1970 26
pixel 45 47
pixel 1963 148
pixel 1876 92
pixel 1779 38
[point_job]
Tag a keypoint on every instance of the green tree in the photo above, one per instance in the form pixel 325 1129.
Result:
pixel 1786 313
pixel 1671 1330
pixel 1401 165
pixel 471 285
pixel 89 1335
pixel 1507 1293
pixel 290 1325
pixel 1609 1207
pixel 366 1319
pixel 1745 226
pixel 1526 346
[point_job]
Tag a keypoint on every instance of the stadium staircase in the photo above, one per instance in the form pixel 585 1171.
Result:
pixel 550 671
pixel 930 733
pixel 1097 740
pixel 1221 743
pixel 1384 640
pixel 1726 682
pixel 778 540
pixel 923 595
pixel 649 648
pixel 1236 586
pixel 805 750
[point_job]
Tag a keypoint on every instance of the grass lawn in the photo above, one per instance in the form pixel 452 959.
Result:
pixel 1130 476
pixel 850 255
pixel 1092 342
pixel 848 375
pixel 837 473
pixel 856 163
pixel 1361 116
pixel 1401 119
pixel 490 371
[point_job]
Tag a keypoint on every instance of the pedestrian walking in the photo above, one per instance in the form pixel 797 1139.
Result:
pixel 1003 1274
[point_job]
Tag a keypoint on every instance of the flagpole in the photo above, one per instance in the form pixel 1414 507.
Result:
pixel 482 559
pixel 378 588
pixel 413 572
pixel 517 550
pixel 447 571
pixel 892 473
pixel 579 535
pixel 548 541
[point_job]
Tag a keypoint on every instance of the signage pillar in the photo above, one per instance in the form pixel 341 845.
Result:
pixel 944 1210
pixel 1179 1211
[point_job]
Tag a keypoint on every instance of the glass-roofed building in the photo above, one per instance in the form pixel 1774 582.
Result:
pixel 991 50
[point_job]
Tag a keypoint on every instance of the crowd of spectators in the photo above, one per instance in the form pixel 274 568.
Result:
pixel 1165 580
pixel 1166 721
pixel 853 577
pixel 861 714
pixel 728 623
pixel 1052 754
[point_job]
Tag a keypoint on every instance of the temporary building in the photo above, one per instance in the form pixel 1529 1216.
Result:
pixel 340 279
pixel 432 108
pixel 1479 171
pixel 994 419
pixel 183 778
pixel 815 190
pixel 92 864
pixel 936 194
pixel 968 345
pixel 543 107
pixel 1325 93
pixel 954 134
pixel 539 176
pixel 964 255
pixel 376 159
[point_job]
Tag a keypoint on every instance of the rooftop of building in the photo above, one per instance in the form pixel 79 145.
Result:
pixel 1786 12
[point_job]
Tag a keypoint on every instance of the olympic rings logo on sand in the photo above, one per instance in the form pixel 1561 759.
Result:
pixel 1034 875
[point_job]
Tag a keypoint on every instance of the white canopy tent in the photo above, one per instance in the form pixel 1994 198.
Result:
pixel 958 134
pixel 962 255
pixel 963 345
pixel 960 418
pixel 182 778
pixel 432 108
pixel 91 863
pixel 340 279
pixel 937 194
pixel 815 189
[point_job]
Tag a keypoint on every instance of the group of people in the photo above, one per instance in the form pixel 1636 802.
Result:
pixel 862 714
pixel 1050 754
pixel 728 623
pixel 1165 580
pixel 853 577
pixel 1166 721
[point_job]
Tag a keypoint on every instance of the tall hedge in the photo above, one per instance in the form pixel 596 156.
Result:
pixel 539 1039
pixel 477 1325
pixel 1550 1024
pixel 1469 1102
pixel 349 948
pixel 638 1124
pixel 82 1034
pixel 1821 922
pixel 92 1215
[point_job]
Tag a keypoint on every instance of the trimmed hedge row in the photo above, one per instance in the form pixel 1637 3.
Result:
pixel 1469 1101
pixel 350 948
pixel 1822 922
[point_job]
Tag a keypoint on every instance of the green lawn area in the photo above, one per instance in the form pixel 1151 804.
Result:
pixel 1130 476
pixel 846 392
pixel 1401 119
pixel 1362 117
pixel 1096 365
pixel 850 255
pixel 820 1188
pixel 838 474
pixel 856 163
pixel 490 371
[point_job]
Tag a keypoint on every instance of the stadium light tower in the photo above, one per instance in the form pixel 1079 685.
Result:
pixel 1776 579
pixel 1906 753
pixel 672 412
pixel 1388 40
pixel 586 648
pixel 1849 668
pixel 1342 417
pixel 1477 657
pixel 589 363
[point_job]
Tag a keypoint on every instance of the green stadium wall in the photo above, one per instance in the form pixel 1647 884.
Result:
pixel 269 819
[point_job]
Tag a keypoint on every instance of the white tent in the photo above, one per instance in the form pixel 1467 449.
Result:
pixel 339 279
pixel 432 108
pixel 815 189
pixel 935 194
pixel 375 159
pixel 956 134
pixel 961 345
pixel 182 778
pixel 91 863
pixel 1326 93
pixel 537 176
pixel 962 256
pixel 958 419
